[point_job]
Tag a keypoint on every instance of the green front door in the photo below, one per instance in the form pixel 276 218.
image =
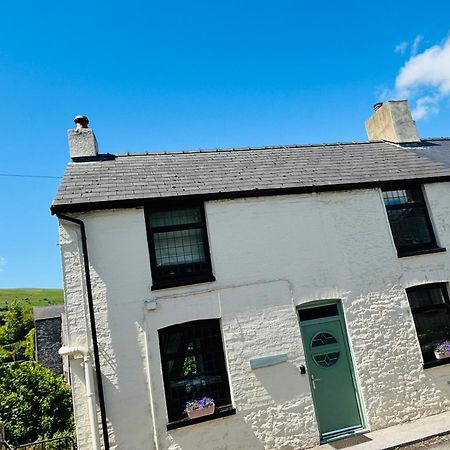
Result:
pixel 330 371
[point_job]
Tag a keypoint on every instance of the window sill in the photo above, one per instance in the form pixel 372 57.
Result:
pixel 405 254
pixel 185 282
pixel 438 362
pixel 220 412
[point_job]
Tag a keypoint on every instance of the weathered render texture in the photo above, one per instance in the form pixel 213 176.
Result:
pixel 393 122
pixel 269 255
pixel 82 143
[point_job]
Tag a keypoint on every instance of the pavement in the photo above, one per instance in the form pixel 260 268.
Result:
pixel 436 443
pixel 430 432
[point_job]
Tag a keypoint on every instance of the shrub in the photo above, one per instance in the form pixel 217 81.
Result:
pixel 33 403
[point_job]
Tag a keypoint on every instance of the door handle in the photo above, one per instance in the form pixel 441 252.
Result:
pixel 313 379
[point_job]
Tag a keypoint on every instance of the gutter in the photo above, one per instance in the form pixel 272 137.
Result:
pixel 87 274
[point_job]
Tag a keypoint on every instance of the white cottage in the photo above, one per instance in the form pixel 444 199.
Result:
pixel 304 288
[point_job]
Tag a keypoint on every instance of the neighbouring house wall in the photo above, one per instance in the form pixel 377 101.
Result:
pixel 48 342
pixel 269 255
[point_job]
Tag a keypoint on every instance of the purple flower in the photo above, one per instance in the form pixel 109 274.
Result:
pixel 204 402
pixel 444 347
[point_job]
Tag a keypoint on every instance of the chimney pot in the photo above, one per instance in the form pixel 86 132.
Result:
pixel 81 122
pixel 377 105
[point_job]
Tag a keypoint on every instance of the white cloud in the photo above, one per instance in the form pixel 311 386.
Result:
pixel 426 106
pixel 415 45
pixel 2 263
pixel 425 77
pixel 401 48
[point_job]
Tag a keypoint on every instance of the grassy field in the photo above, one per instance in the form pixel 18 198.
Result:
pixel 30 297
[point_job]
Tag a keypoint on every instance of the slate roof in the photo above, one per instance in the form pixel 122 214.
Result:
pixel 133 178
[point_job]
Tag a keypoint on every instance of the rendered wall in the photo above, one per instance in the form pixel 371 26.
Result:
pixel 269 255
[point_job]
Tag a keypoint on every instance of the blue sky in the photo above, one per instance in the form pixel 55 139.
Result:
pixel 158 75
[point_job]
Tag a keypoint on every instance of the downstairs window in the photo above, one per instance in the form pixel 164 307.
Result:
pixel 193 366
pixel 430 308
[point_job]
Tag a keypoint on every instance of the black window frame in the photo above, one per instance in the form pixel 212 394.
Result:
pixel 429 359
pixel 192 329
pixel 161 281
pixel 418 248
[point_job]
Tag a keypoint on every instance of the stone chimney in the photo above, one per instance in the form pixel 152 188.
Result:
pixel 392 122
pixel 82 141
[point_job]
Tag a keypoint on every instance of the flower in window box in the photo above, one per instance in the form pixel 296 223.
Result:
pixel 200 408
pixel 442 350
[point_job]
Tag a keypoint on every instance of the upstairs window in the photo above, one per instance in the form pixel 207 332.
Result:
pixel 430 308
pixel 193 366
pixel 179 251
pixel 409 220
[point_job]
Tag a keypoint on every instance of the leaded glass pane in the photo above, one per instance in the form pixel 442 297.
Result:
pixel 402 196
pixel 179 247
pixel 327 360
pixel 323 339
pixel 175 217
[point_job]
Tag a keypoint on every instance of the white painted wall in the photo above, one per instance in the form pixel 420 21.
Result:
pixel 269 255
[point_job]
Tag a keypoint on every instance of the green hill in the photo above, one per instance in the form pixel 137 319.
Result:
pixel 28 297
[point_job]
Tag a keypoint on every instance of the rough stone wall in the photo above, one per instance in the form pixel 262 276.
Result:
pixel 48 342
pixel 269 255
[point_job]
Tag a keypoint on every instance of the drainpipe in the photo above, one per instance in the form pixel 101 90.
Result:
pixel 87 274
pixel 73 352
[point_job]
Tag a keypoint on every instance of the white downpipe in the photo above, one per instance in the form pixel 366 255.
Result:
pixel 90 391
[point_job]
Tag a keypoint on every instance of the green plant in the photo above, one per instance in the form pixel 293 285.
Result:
pixel 18 321
pixel 15 335
pixel 29 344
pixel 33 403
pixel 12 352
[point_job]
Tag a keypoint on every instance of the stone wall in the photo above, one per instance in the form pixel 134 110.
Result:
pixel 48 342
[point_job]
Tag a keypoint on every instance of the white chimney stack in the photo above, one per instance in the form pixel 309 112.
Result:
pixel 82 141
pixel 392 122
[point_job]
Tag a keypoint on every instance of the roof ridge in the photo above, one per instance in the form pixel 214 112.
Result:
pixel 265 147
pixel 240 149
pixel 269 169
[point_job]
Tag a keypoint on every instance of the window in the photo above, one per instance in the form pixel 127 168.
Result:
pixel 409 220
pixel 430 307
pixel 193 366
pixel 179 251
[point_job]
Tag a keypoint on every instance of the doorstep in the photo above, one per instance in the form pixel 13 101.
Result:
pixel 395 436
